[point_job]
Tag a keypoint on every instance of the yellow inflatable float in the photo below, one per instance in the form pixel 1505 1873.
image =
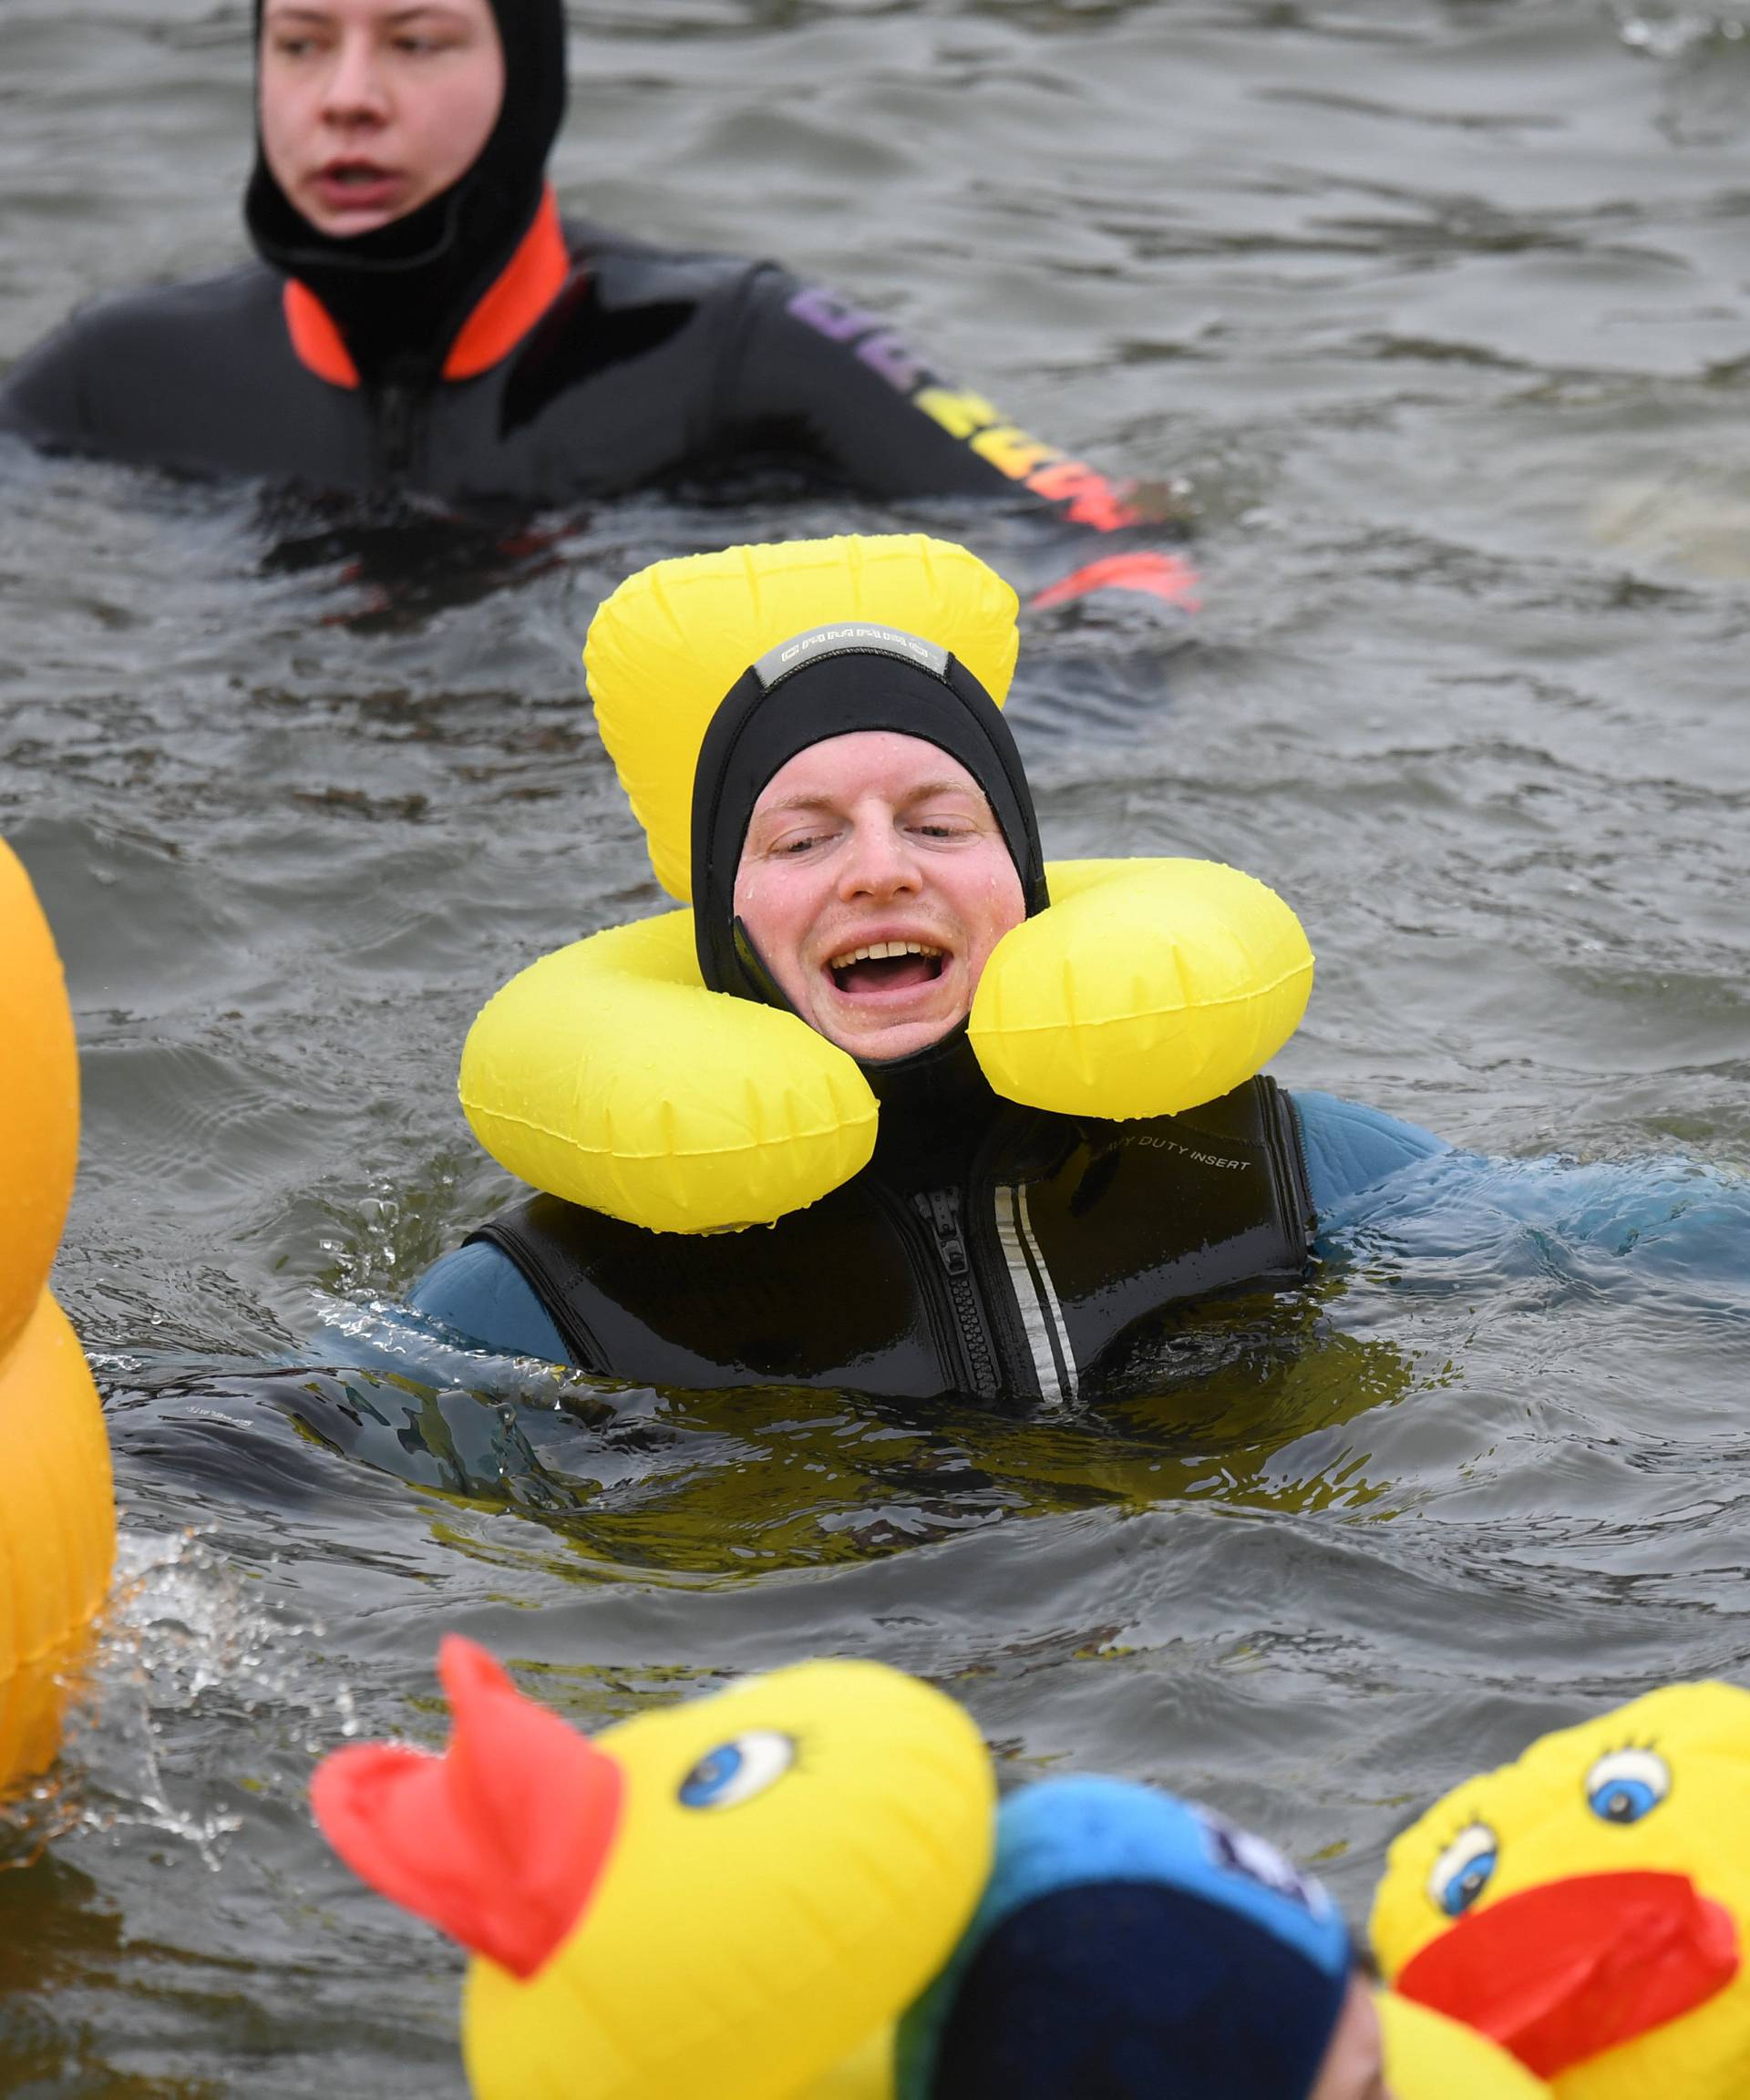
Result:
pixel 1430 2057
pixel 796 1890
pixel 608 1075
pixel 734 1898
pixel 1588 1907
pixel 57 1509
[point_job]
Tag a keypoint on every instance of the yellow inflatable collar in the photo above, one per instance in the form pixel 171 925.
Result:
pixel 606 1073
pixel 672 640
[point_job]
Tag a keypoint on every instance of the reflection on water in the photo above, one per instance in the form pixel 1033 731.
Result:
pixel 57 1933
pixel 1439 312
pixel 400 561
pixel 1245 1404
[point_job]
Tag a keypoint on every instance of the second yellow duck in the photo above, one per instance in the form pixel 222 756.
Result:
pixel 1588 1906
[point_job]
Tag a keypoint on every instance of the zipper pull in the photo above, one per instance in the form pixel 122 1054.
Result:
pixel 396 408
pixel 941 1209
pixel 399 392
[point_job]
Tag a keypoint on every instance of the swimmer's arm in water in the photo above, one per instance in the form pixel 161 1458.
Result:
pixel 43 397
pixel 1349 1149
pixel 809 368
pixel 479 1294
pixel 1566 1223
pixel 141 376
pixel 1384 1188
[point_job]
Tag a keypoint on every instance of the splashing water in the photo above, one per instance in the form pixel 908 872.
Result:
pixel 186 1652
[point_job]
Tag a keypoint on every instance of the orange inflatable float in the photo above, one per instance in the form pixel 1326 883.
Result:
pixel 58 1527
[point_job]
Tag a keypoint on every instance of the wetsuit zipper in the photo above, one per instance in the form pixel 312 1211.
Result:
pixel 396 404
pixel 1280 1128
pixel 940 1209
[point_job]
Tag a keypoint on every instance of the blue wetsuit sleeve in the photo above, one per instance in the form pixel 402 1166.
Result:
pixel 1349 1147
pixel 1386 1189
pixel 480 1294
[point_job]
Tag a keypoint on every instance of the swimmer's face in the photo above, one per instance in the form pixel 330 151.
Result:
pixel 868 840
pixel 370 108
pixel 1355 2061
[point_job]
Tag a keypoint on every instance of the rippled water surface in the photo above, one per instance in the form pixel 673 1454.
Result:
pixel 1442 311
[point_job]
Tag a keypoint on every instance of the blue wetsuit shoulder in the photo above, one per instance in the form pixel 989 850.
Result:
pixel 1349 1147
pixel 479 1292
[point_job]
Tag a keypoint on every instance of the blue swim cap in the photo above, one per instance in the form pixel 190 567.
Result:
pixel 1130 1945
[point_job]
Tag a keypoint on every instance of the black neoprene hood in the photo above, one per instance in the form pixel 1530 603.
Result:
pixel 831 682
pixel 400 294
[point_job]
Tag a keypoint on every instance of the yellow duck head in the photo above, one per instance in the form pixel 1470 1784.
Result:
pixel 58 1527
pixel 730 1897
pixel 1588 1906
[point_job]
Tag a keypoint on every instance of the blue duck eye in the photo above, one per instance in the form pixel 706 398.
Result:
pixel 738 1770
pixel 1462 1871
pixel 1626 1785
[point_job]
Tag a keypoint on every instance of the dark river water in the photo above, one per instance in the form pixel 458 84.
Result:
pixel 1440 310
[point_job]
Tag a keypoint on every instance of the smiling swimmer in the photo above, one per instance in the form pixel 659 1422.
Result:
pixel 862 844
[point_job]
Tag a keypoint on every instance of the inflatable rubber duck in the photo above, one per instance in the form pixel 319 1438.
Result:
pixel 735 1896
pixel 1431 2057
pixel 739 1897
pixel 56 1502
pixel 1587 1907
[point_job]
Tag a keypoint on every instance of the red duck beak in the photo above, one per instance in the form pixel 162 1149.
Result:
pixel 502 1840
pixel 1558 1973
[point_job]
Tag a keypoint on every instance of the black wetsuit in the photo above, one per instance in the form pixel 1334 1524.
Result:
pixel 650 369
pixel 987 1249
pixel 477 352
pixel 1040 1266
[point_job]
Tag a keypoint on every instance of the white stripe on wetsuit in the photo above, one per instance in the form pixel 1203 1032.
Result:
pixel 1054 1361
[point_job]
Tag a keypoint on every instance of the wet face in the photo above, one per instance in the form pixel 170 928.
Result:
pixel 1355 2063
pixel 874 882
pixel 370 108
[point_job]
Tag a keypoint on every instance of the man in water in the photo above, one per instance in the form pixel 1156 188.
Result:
pixel 863 835
pixel 421 318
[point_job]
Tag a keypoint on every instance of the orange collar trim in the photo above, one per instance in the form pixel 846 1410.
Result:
pixel 519 296
pixel 526 287
pixel 319 345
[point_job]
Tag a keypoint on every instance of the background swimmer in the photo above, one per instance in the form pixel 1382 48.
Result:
pixel 421 318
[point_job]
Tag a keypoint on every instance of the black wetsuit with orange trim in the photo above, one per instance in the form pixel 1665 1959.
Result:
pixel 593 367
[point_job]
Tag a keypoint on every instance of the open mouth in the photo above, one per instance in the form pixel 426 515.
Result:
pixel 356 174
pixel 885 966
pixel 358 186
